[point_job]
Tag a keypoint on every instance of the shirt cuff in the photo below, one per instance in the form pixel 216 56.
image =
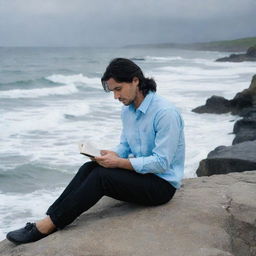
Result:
pixel 121 152
pixel 137 164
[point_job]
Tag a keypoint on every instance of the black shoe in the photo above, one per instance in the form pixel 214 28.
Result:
pixel 28 234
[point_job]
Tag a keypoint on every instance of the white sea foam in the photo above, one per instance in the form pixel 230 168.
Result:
pixel 22 208
pixel 201 131
pixel 73 79
pixel 48 134
pixel 188 72
pixel 35 93
pixel 57 130
pixel 71 84
pixel 163 59
pixel 42 118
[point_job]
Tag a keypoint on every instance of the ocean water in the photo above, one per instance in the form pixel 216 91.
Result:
pixel 51 99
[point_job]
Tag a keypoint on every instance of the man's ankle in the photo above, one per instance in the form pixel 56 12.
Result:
pixel 45 226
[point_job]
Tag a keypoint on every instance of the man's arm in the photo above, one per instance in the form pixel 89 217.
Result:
pixel 168 131
pixel 123 150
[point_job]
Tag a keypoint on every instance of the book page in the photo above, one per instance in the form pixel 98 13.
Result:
pixel 89 149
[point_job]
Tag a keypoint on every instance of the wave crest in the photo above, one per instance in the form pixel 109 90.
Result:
pixel 35 93
pixel 71 83
pixel 72 79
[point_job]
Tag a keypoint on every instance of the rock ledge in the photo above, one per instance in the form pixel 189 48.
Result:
pixel 209 216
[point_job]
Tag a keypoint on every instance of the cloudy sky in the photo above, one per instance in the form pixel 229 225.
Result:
pixel 122 22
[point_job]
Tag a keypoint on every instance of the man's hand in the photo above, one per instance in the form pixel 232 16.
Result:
pixel 108 159
pixel 104 152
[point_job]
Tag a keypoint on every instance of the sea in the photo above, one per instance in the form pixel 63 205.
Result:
pixel 51 99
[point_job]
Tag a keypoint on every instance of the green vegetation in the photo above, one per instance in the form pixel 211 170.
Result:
pixel 228 45
pixel 237 45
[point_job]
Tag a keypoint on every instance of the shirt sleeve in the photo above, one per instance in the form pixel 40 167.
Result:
pixel 123 149
pixel 168 126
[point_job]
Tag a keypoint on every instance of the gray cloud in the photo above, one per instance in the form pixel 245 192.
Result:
pixel 119 22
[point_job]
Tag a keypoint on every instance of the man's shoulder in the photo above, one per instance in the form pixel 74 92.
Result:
pixel 162 103
pixel 162 107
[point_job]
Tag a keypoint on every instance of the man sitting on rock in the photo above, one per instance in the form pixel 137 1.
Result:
pixel 146 167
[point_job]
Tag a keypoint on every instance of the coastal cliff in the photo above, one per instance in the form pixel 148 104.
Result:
pixel 241 155
pixel 208 216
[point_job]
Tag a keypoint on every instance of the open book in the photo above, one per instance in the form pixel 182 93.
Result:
pixel 89 150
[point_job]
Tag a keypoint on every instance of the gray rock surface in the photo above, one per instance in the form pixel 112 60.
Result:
pixel 237 158
pixel 209 216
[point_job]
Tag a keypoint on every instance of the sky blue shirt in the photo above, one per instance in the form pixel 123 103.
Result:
pixel 153 134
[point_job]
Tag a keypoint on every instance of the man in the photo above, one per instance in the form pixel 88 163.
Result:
pixel 146 168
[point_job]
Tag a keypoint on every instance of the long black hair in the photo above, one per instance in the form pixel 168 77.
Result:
pixel 124 70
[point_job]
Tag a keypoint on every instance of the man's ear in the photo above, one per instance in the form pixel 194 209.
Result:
pixel 136 81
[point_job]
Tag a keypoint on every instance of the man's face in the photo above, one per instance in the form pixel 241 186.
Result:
pixel 124 92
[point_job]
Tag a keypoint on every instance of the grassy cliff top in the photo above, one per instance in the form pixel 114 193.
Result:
pixel 228 45
pixel 237 45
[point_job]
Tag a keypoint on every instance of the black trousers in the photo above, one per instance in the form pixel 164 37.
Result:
pixel 93 181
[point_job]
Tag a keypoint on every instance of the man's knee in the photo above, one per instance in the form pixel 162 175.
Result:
pixel 87 167
pixel 103 174
pixel 99 171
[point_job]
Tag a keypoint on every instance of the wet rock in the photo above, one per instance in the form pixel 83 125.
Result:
pixel 244 100
pixel 216 105
pixel 250 55
pixel 245 130
pixel 222 160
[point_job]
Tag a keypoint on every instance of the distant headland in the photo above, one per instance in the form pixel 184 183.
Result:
pixel 237 45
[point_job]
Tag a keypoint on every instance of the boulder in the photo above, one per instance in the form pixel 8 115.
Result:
pixel 244 135
pixel 251 51
pixel 237 158
pixel 216 105
pixel 249 113
pixel 245 123
pixel 244 100
pixel 208 216
pixel 245 130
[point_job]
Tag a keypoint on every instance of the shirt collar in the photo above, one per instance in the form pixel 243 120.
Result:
pixel 146 102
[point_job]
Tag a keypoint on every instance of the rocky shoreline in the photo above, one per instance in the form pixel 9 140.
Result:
pixel 250 55
pixel 241 156
pixel 208 216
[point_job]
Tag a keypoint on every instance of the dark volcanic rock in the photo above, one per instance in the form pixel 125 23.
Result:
pixel 245 100
pixel 241 101
pixel 215 104
pixel 250 55
pixel 246 123
pixel 244 135
pixel 251 51
pixel 243 104
pixel 245 130
pixel 222 160
pixel 248 113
